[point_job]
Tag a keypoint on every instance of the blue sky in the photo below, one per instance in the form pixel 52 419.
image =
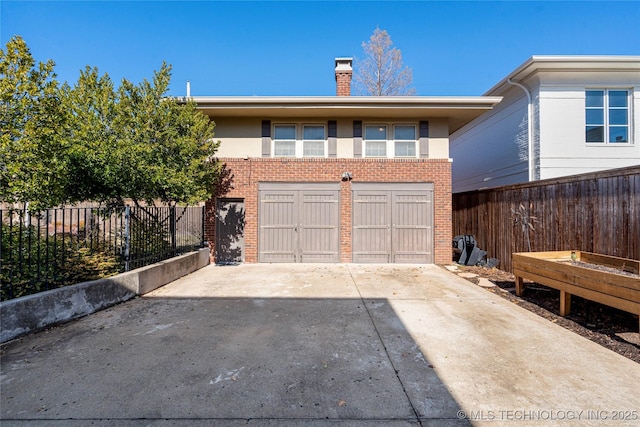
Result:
pixel 287 48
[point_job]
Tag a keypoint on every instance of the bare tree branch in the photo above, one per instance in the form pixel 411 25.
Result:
pixel 381 72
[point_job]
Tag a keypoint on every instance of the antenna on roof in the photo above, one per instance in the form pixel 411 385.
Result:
pixel 188 89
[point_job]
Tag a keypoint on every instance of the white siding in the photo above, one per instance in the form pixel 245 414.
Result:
pixel 563 150
pixel 492 150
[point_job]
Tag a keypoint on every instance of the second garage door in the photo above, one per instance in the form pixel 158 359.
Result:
pixel 392 222
pixel 299 222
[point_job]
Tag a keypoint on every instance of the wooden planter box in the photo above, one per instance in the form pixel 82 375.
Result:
pixel 555 270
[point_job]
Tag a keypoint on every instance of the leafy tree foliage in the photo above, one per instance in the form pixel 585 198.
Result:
pixel 134 143
pixel 93 142
pixel 32 122
pixel 381 72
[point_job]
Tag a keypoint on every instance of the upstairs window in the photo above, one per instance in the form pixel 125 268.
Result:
pixel 607 116
pixel 284 141
pixel 375 141
pixel 295 140
pixel 313 141
pixel 404 137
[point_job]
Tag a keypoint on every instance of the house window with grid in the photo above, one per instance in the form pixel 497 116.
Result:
pixel 607 116
pixel 375 141
pixel 313 141
pixel 404 140
pixel 295 140
pixel 284 141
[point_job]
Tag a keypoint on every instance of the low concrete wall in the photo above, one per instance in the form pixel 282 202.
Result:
pixel 29 313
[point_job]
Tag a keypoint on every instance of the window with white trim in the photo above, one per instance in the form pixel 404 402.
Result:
pixel 284 140
pixel 294 140
pixel 607 116
pixel 375 141
pixel 404 139
pixel 313 141
pixel 397 140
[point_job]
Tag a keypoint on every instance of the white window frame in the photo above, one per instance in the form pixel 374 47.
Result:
pixel 274 140
pixel 606 125
pixel 390 146
pixel 415 140
pixel 366 142
pixel 299 141
pixel 325 141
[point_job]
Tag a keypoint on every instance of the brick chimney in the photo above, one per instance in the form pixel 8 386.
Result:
pixel 343 76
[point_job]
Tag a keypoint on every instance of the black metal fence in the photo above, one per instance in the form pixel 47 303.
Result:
pixel 59 247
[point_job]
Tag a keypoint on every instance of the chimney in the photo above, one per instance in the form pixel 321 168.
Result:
pixel 343 76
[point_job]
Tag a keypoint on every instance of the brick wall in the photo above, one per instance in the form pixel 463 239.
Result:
pixel 244 176
pixel 343 83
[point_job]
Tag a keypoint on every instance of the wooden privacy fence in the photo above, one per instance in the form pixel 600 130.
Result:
pixel 595 212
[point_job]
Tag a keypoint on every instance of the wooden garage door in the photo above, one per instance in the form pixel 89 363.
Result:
pixel 392 223
pixel 298 222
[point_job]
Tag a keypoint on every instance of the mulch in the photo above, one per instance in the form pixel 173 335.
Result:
pixel 597 322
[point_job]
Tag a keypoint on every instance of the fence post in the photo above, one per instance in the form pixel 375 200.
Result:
pixel 127 237
pixel 202 219
pixel 172 230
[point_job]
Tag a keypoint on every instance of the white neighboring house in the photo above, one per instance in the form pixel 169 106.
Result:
pixel 560 115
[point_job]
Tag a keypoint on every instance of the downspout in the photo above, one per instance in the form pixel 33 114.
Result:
pixel 529 128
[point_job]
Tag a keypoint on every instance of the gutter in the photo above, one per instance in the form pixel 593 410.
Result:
pixel 529 127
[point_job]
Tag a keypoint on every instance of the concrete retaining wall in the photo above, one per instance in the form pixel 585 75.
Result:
pixel 29 313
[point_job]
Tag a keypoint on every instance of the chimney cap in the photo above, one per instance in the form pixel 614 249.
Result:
pixel 344 64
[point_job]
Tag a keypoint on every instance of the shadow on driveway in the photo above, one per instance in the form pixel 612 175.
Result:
pixel 277 345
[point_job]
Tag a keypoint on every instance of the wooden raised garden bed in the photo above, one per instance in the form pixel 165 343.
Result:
pixel 605 279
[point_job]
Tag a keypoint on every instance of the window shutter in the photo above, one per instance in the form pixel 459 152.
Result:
pixel 333 138
pixel 357 138
pixel 266 138
pixel 423 140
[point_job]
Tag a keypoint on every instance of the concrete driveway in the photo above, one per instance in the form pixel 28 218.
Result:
pixel 315 345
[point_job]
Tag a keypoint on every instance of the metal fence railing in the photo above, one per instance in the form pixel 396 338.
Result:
pixel 58 247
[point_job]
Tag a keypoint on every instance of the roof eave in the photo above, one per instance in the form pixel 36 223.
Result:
pixel 566 63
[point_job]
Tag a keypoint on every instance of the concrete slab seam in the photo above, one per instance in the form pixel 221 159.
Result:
pixel 386 351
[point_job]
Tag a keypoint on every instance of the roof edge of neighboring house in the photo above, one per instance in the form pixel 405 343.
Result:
pixel 566 63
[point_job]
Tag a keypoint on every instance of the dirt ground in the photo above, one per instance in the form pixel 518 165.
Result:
pixel 611 328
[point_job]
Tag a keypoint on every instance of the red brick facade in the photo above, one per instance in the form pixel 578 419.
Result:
pixel 245 174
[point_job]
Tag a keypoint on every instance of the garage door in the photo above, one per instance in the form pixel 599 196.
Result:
pixel 298 222
pixel 392 223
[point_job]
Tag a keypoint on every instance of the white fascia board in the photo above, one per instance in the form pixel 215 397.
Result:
pixel 345 103
pixel 358 101
pixel 566 63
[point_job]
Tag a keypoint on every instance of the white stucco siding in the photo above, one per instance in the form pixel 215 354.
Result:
pixel 438 139
pixel 238 137
pixel 493 149
pixel 344 143
pixel 242 137
pixel 563 150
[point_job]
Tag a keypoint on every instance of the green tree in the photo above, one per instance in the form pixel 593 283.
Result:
pixel 381 72
pixel 92 108
pixel 165 147
pixel 93 142
pixel 32 123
